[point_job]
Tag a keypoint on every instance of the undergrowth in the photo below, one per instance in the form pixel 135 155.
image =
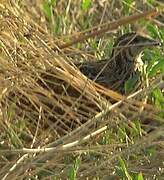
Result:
pixel 73 131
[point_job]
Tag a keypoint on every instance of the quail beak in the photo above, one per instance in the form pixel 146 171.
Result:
pixel 151 43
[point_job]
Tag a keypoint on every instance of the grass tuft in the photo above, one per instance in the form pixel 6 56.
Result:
pixel 57 124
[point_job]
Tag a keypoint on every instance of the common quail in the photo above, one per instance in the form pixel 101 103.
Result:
pixel 123 64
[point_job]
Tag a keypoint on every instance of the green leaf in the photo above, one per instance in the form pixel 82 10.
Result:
pixel 47 9
pixel 136 129
pixel 58 25
pixel 131 83
pixel 158 98
pixel 140 177
pixel 85 4
pixel 122 170
pixel 153 30
pixel 157 67
pixel 122 134
pixel 127 5
pixel 73 170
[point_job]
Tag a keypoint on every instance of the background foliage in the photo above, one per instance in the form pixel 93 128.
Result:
pixel 119 141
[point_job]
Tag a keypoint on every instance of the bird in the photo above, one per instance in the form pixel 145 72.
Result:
pixel 123 64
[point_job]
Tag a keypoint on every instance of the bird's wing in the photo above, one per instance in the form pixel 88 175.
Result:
pixel 89 69
pixel 100 71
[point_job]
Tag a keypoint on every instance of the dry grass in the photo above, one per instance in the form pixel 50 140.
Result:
pixel 55 123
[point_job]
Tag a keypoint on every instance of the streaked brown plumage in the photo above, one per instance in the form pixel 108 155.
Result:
pixel 123 63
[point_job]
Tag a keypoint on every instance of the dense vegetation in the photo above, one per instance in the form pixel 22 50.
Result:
pixel 96 133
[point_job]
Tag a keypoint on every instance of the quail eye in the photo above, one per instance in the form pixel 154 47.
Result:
pixel 137 40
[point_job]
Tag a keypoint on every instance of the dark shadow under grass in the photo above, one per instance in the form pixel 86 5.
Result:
pixel 56 123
